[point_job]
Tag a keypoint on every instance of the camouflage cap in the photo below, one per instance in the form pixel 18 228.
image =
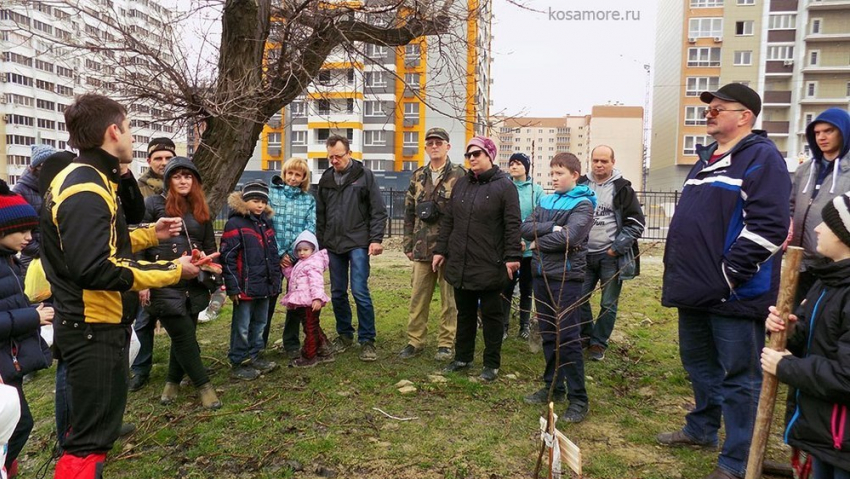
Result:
pixel 437 133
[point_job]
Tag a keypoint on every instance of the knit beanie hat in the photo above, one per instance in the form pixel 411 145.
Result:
pixel 523 159
pixel 255 189
pixel 485 144
pixel 15 213
pixel 836 215
pixel 177 163
pixel 39 154
pixel 161 144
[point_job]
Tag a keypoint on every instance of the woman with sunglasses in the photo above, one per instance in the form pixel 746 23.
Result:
pixel 480 244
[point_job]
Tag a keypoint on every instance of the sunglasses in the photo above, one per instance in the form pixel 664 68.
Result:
pixel 717 111
pixel 473 154
pixel 430 143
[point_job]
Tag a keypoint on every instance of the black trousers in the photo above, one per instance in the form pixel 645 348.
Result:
pixel 185 352
pixel 467 325
pixel 524 278
pixel 291 328
pixel 22 431
pixel 97 357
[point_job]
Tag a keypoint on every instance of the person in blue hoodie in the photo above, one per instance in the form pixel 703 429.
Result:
pixel 816 182
pixel 530 194
pixel 721 270
pixel 558 230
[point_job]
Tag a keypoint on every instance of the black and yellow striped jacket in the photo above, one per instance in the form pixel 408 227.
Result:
pixel 87 249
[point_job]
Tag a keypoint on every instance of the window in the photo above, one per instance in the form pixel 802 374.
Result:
pixel 813 57
pixel 816 24
pixel 376 51
pixel 848 89
pixel 298 109
pixel 782 21
pixel 65 72
pixel 706 3
pixel 694 115
pixel 705 27
pixel 275 165
pixel 44 85
pixel 322 134
pixel 46 124
pixel 20 120
pixel 299 138
pixel 811 89
pixel 45 105
pixel 411 110
pixel 744 28
pixel 20 140
pixel 44 66
pixel 323 107
pixel 274 139
pixel 411 139
pixel 780 52
pixel 16 58
pixel 324 77
pixel 376 79
pixel 412 80
pixel 19 99
pixel 43 27
pixel 375 138
pixel 373 108
pixel 411 51
pixel 349 105
pixel 746 2
pixel 744 57
pixel 691 142
pixel 349 76
pixel 19 79
pixel 808 118
pixel 704 57
pixel 65 91
pixel 697 85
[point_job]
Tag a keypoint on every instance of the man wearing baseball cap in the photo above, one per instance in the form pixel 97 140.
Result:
pixel 429 192
pixel 721 270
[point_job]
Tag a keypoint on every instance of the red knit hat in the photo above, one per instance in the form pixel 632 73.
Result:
pixel 15 213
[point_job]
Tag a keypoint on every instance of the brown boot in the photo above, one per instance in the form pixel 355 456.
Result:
pixel 169 393
pixel 209 399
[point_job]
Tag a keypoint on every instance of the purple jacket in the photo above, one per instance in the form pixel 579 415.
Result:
pixel 306 277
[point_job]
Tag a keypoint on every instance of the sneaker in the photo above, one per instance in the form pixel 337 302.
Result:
pixel 245 372
pixel 138 382
pixel 409 351
pixel 127 428
pixel 489 374
pixel 368 352
pixel 341 343
pixel 456 365
pixel 326 358
pixel 263 365
pixel 524 331
pixel 303 362
pixel 444 354
pixel 541 396
pixel 576 412
pixel 720 473
pixel 596 352
pixel 293 354
pixel 679 438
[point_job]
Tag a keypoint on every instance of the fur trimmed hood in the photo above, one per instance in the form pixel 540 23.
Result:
pixel 239 207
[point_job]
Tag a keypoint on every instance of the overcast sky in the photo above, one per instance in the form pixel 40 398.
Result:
pixel 547 64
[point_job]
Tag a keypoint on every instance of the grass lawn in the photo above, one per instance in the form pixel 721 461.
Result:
pixel 323 422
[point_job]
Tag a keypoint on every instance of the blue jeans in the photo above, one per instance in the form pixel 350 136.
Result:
pixel 144 327
pixel 600 268
pixel 246 330
pixel 62 402
pixel 357 260
pixel 822 470
pixel 555 316
pixel 721 355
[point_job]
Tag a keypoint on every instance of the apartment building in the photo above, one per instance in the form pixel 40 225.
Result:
pixel 793 52
pixel 384 99
pixel 40 74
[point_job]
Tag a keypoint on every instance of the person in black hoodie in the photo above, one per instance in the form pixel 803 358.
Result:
pixel 817 361
pixel 481 246
pixel 177 306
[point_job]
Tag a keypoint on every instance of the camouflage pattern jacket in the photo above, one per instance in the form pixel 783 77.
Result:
pixel 420 237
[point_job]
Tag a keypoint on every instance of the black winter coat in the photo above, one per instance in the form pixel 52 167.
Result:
pixel 479 231
pixel 171 301
pixel 20 340
pixel 820 368
pixel 352 215
pixel 249 255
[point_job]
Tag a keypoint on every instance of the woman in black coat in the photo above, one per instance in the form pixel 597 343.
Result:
pixel 178 306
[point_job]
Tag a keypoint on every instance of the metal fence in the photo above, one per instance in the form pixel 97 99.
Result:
pixel 658 208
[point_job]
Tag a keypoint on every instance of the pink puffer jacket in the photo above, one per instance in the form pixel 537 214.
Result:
pixel 306 281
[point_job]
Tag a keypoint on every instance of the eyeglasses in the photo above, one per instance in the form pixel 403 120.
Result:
pixel 473 154
pixel 437 143
pixel 717 111
pixel 337 157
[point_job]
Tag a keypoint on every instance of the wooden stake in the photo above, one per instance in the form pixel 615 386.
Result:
pixel 552 432
pixel 767 399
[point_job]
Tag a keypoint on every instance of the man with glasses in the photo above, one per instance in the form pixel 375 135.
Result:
pixel 429 192
pixel 721 270
pixel 350 222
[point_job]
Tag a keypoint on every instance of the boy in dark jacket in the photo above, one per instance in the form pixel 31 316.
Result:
pixel 558 229
pixel 251 274
pixel 820 343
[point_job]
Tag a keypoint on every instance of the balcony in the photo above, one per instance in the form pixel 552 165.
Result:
pixel 827 69
pixel 776 127
pixel 822 5
pixel 777 97
pixel 839 102
pixel 779 67
pixel 781 36
pixel 828 37
pixel 783 5
pixel 409 150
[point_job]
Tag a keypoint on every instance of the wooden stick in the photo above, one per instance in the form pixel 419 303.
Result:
pixel 767 399
pixel 552 432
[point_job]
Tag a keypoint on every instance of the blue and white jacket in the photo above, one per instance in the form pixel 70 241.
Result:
pixel 561 255
pixel 295 212
pixel 730 223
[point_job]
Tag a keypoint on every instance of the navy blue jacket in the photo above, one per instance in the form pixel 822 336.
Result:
pixel 250 260
pixel 19 325
pixel 731 220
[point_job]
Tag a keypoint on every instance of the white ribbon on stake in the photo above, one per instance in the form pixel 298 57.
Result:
pixel 553 444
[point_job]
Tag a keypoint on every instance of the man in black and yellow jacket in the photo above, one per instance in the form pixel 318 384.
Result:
pixel 87 255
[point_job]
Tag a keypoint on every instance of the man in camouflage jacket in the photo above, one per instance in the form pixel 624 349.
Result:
pixel 429 192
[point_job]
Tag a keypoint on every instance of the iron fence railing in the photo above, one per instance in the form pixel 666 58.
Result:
pixel 658 208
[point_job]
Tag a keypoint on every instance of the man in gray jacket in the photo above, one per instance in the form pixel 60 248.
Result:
pixel 817 182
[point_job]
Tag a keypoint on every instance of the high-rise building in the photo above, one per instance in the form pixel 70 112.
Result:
pixel 385 99
pixel 40 74
pixel 794 53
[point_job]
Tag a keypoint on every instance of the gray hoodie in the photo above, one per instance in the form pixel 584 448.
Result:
pixel 604 229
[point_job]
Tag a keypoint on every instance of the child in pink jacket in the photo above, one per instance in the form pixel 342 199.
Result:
pixel 306 297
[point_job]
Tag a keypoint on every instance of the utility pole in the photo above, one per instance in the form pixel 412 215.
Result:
pixel 646 101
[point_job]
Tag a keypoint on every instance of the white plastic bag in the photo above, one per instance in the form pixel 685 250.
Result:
pixel 135 346
pixel 47 334
pixel 10 414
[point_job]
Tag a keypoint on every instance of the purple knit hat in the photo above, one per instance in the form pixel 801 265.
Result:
pixel 485 144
